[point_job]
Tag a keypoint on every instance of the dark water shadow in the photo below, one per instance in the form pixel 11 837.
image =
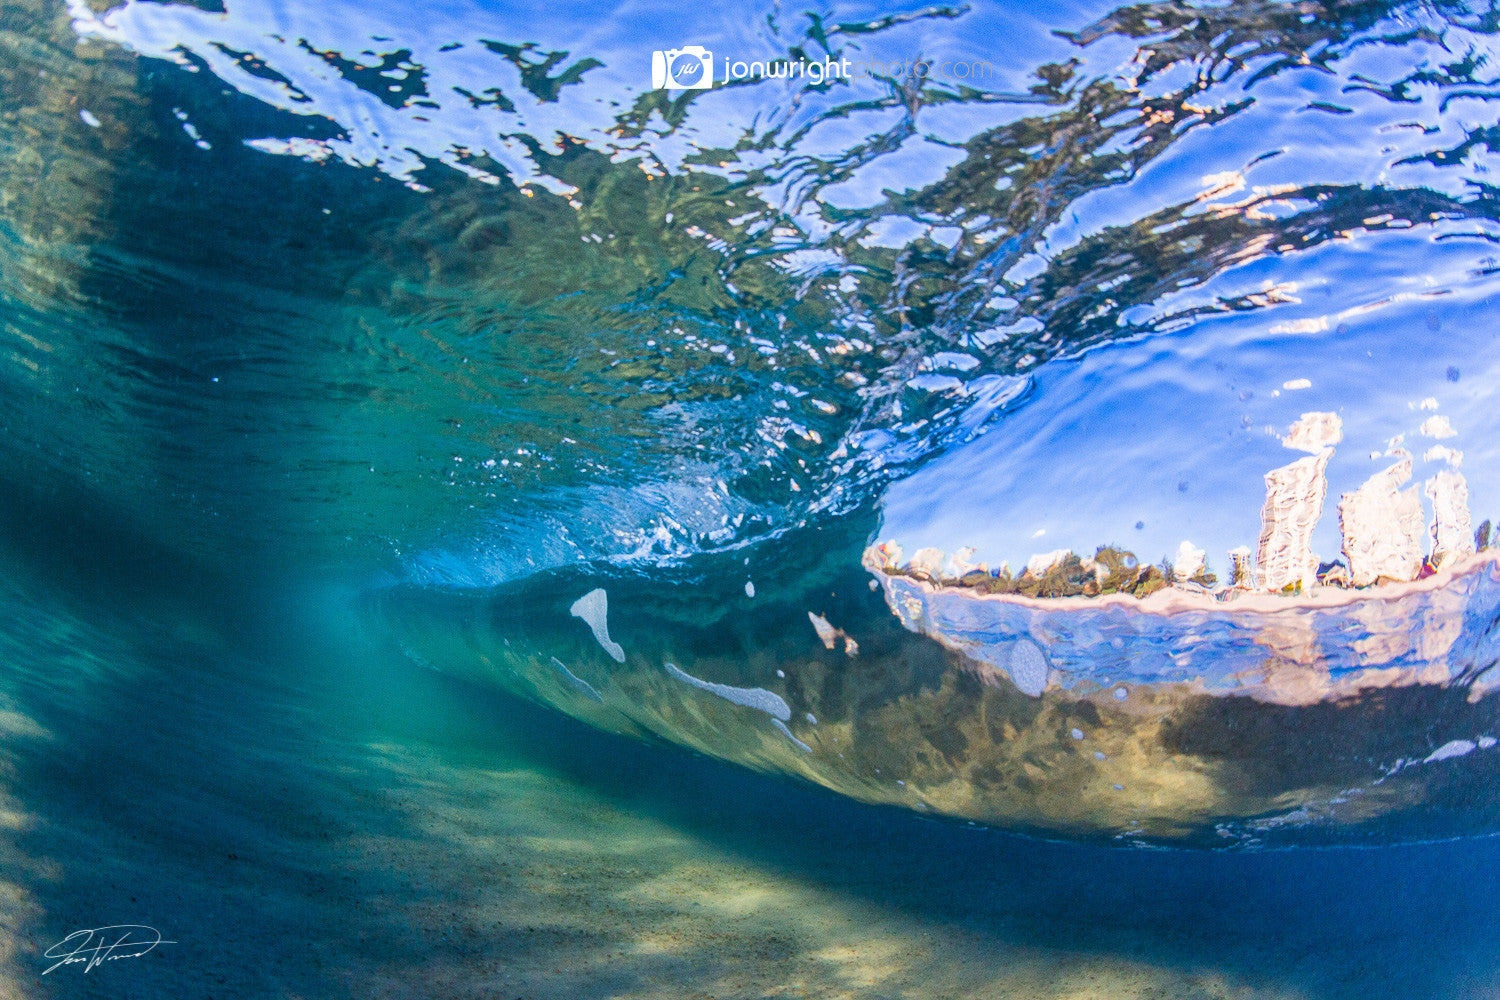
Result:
pixel 1404 921
pixel 308 815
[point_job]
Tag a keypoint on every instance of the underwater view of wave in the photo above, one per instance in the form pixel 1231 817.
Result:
pixel 840 500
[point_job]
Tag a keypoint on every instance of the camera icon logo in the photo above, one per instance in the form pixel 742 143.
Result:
pixel 688 68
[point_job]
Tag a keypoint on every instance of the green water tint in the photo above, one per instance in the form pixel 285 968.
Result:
pixel 279 363
pixel 907 721
pixel 309 816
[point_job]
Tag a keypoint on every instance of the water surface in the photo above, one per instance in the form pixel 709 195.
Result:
pixel 343 350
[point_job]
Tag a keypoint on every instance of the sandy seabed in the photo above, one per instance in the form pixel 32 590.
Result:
pixel 325 819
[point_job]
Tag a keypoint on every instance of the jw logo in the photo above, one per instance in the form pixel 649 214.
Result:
pixel 688 68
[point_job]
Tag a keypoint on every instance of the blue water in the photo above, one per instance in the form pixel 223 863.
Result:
pixel 344 348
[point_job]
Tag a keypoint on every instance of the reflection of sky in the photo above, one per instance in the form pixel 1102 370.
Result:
pixel 445 43
pixel 1177 431
pixel 1279 141
pixel 1116 431
pixel 917 164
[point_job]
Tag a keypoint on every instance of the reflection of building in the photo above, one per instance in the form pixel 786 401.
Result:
pixel 1282 629
pixel 1294 502
pixel 1451 537
pixel 1381 524
pixel 1382 528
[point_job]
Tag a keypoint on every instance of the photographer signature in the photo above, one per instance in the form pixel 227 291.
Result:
pixel 104 944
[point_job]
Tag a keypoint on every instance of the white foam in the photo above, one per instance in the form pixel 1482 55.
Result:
pixel 766 701
pixel 1028 667
pixel 826 632
pixel 1451 749
pixel 788 734
pixel 577 682
pixel 749 589
pixel 593 608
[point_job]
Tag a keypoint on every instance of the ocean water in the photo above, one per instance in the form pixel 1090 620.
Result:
pixel 450 487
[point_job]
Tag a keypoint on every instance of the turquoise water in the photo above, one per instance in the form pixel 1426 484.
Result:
pixel 437 466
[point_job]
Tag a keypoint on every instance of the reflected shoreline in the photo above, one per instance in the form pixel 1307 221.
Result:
pixel 1207 727
pixel 1174 598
